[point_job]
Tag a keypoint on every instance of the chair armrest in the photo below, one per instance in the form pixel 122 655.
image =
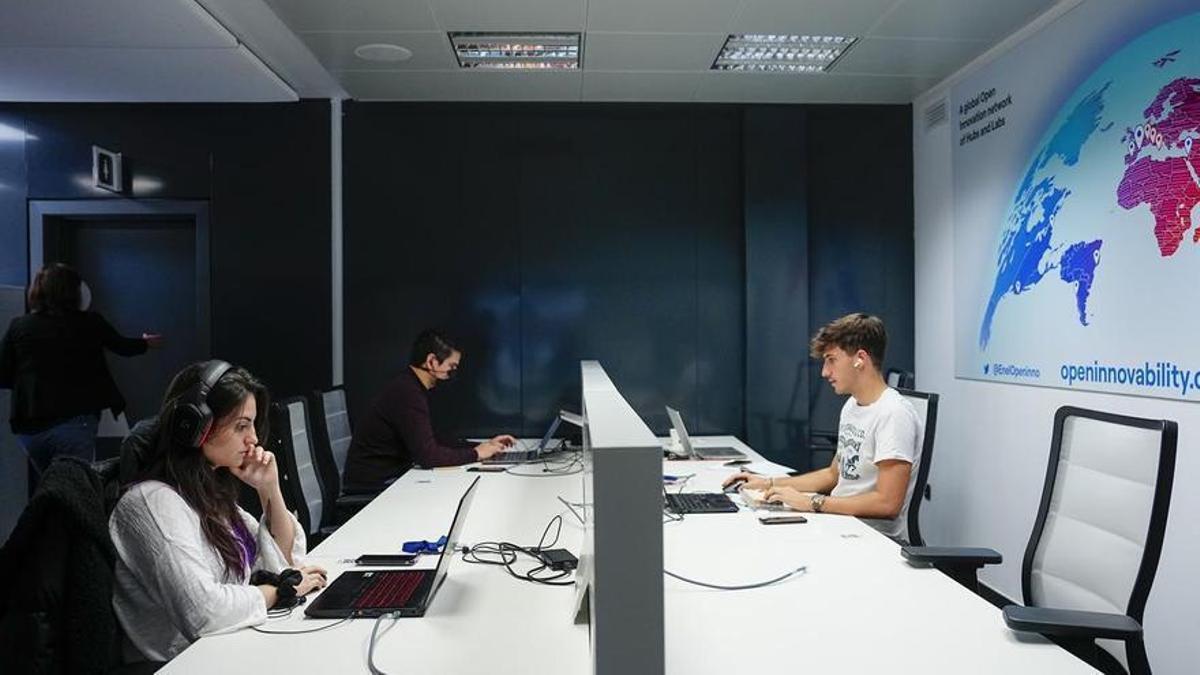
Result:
pixel 1071 623
pixel 954 556
pixel 354 501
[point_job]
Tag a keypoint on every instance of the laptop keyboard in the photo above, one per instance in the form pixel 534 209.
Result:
pixel 512 456
pixel 700 502
pixel 390 589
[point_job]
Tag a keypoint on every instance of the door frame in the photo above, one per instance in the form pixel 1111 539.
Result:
pixel 44 212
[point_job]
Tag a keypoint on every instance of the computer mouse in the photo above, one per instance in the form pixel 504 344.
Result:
pixel 734 487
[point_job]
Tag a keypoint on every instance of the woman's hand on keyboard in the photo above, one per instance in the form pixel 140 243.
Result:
pixel 314 578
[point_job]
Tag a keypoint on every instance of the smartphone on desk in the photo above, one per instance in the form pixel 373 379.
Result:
pixel 782 520
pixel 385 559
pixel 487 468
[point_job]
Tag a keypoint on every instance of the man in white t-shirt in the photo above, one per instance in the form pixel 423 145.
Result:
pixel 872 474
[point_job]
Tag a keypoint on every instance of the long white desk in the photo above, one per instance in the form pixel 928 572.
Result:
pixel 859 606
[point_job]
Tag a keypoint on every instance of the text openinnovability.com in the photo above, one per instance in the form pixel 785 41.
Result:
pixel 1160 374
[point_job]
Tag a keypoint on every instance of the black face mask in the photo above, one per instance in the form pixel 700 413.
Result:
pixel 450 374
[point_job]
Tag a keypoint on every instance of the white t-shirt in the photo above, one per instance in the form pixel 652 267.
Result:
pixel 889 428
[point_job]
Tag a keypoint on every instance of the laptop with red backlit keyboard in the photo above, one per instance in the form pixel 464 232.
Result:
pixel 408 592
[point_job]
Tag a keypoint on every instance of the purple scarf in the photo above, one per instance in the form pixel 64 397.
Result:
pixel 247 543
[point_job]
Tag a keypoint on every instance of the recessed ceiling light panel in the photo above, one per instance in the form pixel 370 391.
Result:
pixel 782 53
pixel 517 51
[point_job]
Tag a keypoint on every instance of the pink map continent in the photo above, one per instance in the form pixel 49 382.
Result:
pixel 1169 185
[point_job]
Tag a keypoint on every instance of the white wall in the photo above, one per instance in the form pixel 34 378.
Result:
pixel 993 439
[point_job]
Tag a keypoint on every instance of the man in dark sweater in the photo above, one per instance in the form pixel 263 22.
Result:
pixel 397 432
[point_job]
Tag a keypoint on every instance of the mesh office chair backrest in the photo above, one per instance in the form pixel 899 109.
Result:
pixel 299 462
pixel 1099 530
pixel 337 425
pixel 926 405
pixel 900 379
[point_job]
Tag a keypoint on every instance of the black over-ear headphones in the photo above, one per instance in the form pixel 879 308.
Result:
pixel 191 418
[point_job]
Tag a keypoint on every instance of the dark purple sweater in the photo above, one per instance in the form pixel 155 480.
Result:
pixel 395 435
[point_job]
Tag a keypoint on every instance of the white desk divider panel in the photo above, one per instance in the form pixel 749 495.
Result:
pixel 620 575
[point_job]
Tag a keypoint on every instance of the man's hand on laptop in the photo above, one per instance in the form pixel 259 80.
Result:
pixel 494 446
pixel 789 496
pixel 750 480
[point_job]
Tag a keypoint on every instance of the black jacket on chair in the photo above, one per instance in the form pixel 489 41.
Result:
pixel 56 611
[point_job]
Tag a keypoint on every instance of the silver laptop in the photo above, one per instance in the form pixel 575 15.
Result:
pixel 694 452
pixel 535 454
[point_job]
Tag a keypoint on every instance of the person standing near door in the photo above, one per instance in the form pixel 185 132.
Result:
pixel 53 360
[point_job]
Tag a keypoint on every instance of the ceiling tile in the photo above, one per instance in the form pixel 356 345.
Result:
pixel 810 17
pixel 509 15
pixel 137 75
pixel 460 86
pixel 431 50
pixel 719 86
pixel 897 56
pixel 661 16
pixel 646 51
pixel 627 86
pixel 891 89
pixel 735 87
pixel 374 15
pixel 113 23
pixel 958 20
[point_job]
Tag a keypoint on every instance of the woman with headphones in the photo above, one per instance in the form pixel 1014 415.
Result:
pixel 190 562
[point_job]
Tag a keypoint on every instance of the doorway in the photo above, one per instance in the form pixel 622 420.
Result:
pixel 147 264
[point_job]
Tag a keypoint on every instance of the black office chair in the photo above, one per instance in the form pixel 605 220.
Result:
pixel 900 379
pixel 926 405
pixel 301 483
pixel 1095 545
pixel 332 436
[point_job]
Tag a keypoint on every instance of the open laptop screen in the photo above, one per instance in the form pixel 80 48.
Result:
pixel 452 538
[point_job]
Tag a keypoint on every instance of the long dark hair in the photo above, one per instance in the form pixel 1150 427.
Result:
pixel 212 493
pixel 55 290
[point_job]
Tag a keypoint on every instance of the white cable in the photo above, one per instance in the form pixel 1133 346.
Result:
pixel 371 648
pixel 740 587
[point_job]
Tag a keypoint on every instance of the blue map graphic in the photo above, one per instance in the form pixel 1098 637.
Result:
pixel 1026 252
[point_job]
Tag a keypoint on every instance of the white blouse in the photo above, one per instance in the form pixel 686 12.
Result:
pixel 171 587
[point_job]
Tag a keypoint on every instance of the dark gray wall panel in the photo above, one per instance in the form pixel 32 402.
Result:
pixel 14 249
pixel 777 281
pixel 263 168
pixel 575 231
pixel 860 229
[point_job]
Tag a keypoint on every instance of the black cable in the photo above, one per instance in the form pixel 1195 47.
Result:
pixel 506 554
pixel 308 630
